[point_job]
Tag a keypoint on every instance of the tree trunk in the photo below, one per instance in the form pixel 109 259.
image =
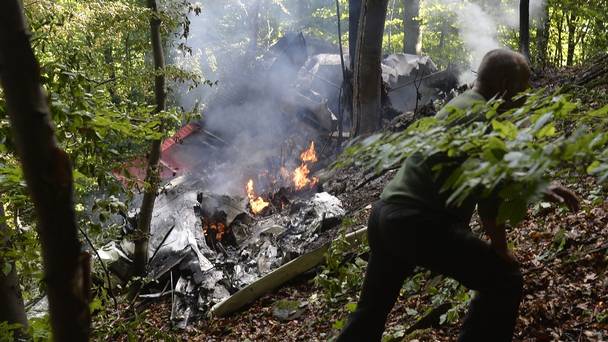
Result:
pixel 442 35
pixel 152 174
pixel 48 174
pixel 542 37
pixel 411 27
pixel 571 22
pixel 254 16
pixel 11 301
pixel 367 83
pixel 354 16
pixel 524 28
pixel 559 57
pixel 581 40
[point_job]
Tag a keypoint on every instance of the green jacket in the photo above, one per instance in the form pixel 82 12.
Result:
pixel 417 186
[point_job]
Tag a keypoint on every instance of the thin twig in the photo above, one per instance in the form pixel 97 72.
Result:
pixel 172 296
pixel 103 265
pixel 161 244
pixel 344 80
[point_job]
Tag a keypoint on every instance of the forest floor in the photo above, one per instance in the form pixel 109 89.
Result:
pixel 563 255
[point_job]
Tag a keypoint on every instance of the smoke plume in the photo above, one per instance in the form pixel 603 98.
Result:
pixel 227 46
pixel 479 24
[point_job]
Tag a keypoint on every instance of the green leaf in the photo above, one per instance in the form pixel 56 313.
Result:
pixel 351 307
pixel 548 130
pixel 505 129
pixel 602 112
pixel 7 268
pixel 338 325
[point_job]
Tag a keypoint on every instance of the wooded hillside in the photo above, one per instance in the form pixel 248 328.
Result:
pixel 205 170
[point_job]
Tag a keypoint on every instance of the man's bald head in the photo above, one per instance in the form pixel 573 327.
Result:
pixel 502 73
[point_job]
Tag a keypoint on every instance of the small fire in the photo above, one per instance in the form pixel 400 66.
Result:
pixel 309 155
pixel 257 203
pixel 219 229
pixel 300 177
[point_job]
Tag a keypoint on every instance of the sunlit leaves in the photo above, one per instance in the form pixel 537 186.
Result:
pixel 510 153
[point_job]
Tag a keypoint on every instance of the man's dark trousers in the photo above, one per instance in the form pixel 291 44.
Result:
pixel 401 239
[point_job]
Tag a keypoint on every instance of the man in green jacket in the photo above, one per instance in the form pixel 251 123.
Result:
pixel 413 226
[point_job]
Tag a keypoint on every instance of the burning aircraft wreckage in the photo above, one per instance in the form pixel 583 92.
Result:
pixel 239 216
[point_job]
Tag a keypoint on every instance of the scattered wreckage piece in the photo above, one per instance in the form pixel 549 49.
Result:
pixel 278 277
pixel 205 266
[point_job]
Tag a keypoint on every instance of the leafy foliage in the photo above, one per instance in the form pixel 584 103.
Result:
pixel 95 68
pixel 510 153
pixel 343 270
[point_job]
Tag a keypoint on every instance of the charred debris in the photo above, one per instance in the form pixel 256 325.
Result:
pixel 240 199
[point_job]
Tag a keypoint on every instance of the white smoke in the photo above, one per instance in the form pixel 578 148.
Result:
pixel 242 108
pixel 478 25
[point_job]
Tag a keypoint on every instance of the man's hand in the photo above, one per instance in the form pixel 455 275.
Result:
pixel 558 193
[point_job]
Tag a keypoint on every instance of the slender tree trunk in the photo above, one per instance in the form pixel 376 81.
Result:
pixel 254 16
pixel 442 35
pixel 524 28
pixel 367 104
pixel 559 49
pixel 581 40
pixel 571 23
pixel 48 174
pixel 354 16
pixel 11 300
pixel 412 42
pixel 108 56
pixel 542 37
pixel 152 174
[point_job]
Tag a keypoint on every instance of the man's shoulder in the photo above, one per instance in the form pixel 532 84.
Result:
pixel 462 101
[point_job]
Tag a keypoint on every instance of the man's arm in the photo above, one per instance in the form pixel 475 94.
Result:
pixel 488 212
pixel 560 194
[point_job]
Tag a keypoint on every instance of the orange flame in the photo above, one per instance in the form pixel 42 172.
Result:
pixel 309 155
pixel 257 203
pixel 300 177
pixel 218 228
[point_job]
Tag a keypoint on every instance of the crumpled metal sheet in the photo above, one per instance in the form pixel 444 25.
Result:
pixel 274 241
pixel 401 65
pixel 174 209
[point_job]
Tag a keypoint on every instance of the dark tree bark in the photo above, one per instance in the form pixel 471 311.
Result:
pixel 354 15
pixel 367 82
pixel 152 174
pixel 524 28
pixel 48 174
pixel 411 27
pixel 542 37
pixel 571 23
pixel 559 57
pixel 11 300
